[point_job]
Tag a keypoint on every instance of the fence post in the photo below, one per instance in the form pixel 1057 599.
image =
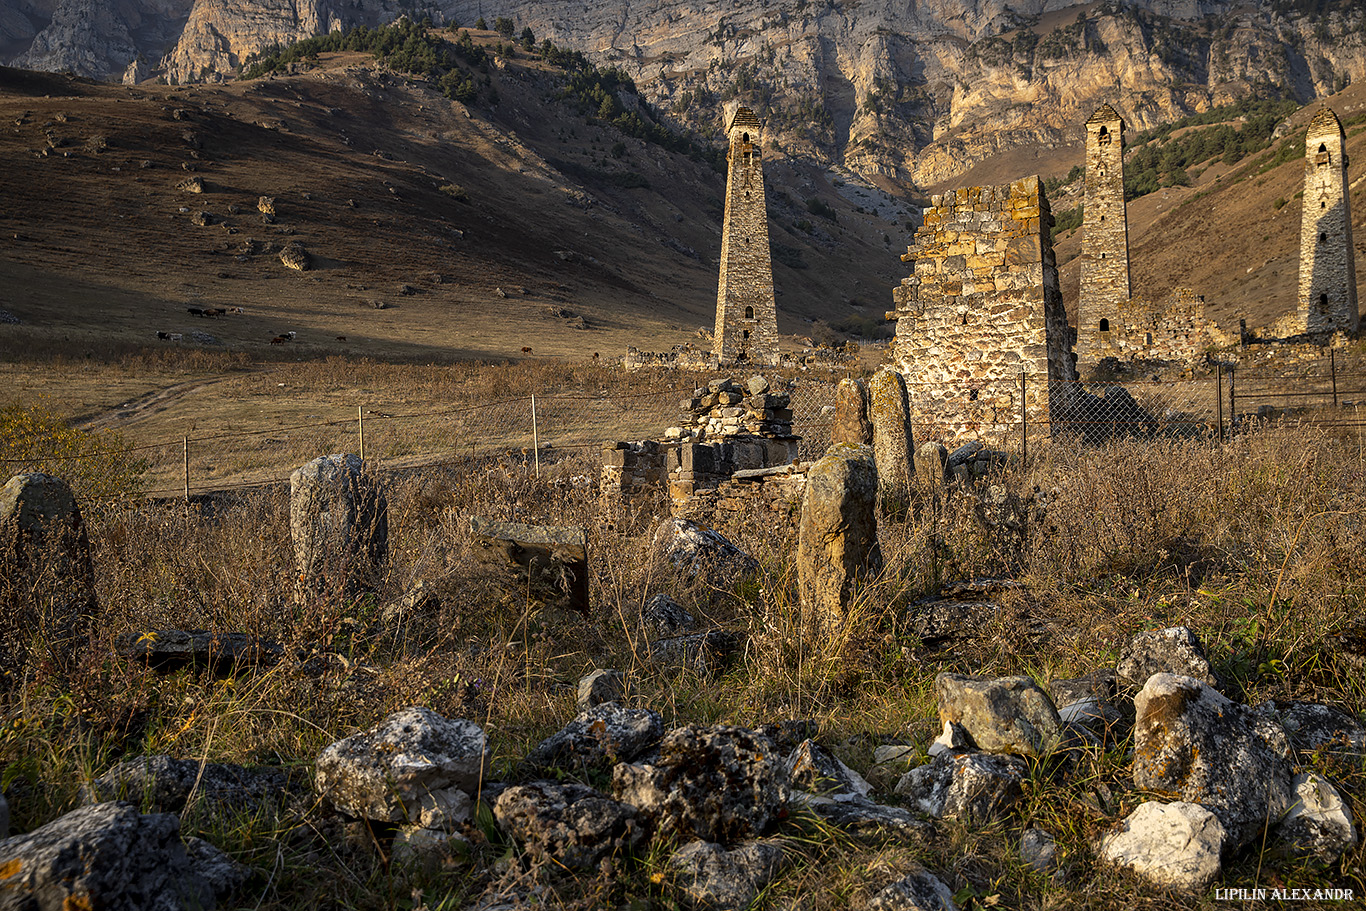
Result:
pixel 1333 369
pixel 185 443
pixel 1219 398
pixel 1024 422
pixel 360 428
pixel 535 437
pixel 1232 398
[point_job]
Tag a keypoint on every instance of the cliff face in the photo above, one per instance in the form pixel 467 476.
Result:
pixel 913 91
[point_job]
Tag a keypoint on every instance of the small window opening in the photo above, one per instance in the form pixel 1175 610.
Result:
pixel 1323 301
pixel 744 334
pixel 1105 325
pixel 1102 218
pixel 965 319
pixel 1323 205
pixel 1102 256
pixel 972 395
pixel 1323 237
pixel 1323 147
pixel 1148 339
pixel 744 137
pixel 1104 138
pixel 749 313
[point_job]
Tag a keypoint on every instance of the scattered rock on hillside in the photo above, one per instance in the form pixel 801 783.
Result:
pixel 202 219
pixel 1175 845
pixel 704 654
pixel 601 686
pixel 598 738
pixel 851 414
pixel 166 783
pixel 931 467
pixel 1314 727
pixel 1320 821
pixel 1192 741
pixel 1039 850
pixel 917 892
pixel 953 739
pixel 294 256
pixel 193 184
pixel 662 616
pixel 9 318
pixel 403 766
pixel 167 650
pixel 411 610
pixel 812 768
pixel 938 621
pixel 718 783
pixel 726 880
pixel 1164 651
pixel 569 824
pixel 266 205
pixel 1001 715
pixel 702 553
pixel 549 562
pixel 973 787
pixel 863 817
pixel 109 855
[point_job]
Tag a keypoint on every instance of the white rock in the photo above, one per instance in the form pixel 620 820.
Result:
pixel 918 892
pixel 1319 822
pixel 951 739
pixel 1175 845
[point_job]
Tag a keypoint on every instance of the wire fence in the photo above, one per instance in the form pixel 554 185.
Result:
pixel 536 429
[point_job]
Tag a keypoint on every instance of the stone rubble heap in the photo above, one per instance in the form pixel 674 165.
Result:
pixel 724 408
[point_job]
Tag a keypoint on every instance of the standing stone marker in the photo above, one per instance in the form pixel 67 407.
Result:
pixel 339 520
pixel 893 445
pixel 47 580
pixel 837 538
pixel 851 414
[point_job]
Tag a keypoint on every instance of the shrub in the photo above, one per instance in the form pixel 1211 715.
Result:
pixel 96 465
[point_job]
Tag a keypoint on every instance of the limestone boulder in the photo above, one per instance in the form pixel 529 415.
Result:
pixel 921 891
pixel 814 769
pixel 598 738
pixel 547 562
pixel 704 654
pixel 931 467
pixel 339 522
pixel 865 818
pixel 711 876
pixel 602 685
pixel 569 824
pixel 1001 715
pixel 295 256
pixel 45 559
pixel 167 784
pixel 851 414
pixel 718 783
pixel 1192 742
pixel 404 767
pixel 893 444
pixel 973 787
pixel 1164 651
pixel 108 855
pixel 1319 823
pixel 1039 850
pixel 701 553
pixel 662 617
pixel 1172 845
pixel 1314 727
pixel 837 544
pixel 952 739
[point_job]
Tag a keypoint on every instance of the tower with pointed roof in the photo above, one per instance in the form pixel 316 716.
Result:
pixel 746 314
pixel 1328 282
pixel 1105 240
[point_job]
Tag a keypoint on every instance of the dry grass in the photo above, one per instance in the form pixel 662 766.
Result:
pixel 1257 545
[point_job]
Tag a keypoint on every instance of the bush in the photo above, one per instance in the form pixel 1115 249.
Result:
pixel 96 465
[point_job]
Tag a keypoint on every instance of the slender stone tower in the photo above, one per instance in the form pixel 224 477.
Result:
pixel 1105 241
pixel 746 315
pixel 1328 281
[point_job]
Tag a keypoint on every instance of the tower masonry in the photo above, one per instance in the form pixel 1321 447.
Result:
pixel 1105 240
pixel 746 314
pixel 1328 284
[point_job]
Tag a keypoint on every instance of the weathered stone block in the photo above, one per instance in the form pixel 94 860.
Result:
pixel 339 520
pixel 550 562
pixel 837 537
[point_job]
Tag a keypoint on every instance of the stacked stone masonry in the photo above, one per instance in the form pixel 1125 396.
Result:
pixel 1105 239
pixel 1173 329
pixel 1328 286
pixel 981 308
pixel 746 311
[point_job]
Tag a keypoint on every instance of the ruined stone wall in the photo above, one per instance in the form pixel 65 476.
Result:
pixel 746 312
pixel 1172 329
pixel 982 307
pixel 680 357
pixel 1328 287
pixel 1105 240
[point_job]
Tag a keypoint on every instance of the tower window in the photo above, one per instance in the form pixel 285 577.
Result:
pixel 749 313
pixel 1105 325
pixel 1102 218
pixel 1104 137
pixel 744 137
pixel 1323 204
pixel 1323 237
pixel 1323 301
pixel 745 334
pixel 965 319
pixel 1148 339
pixel 1323 147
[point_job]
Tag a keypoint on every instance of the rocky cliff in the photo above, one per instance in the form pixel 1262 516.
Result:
pixel 910 91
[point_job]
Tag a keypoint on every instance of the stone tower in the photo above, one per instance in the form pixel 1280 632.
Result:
pixel 746 315
pixel 1328 281
pixel 1105 240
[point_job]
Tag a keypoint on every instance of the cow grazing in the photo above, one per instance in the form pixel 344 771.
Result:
pixel 526 350
pixel 341 338
pixel 164 336
pixel 279 340
pixel 195 311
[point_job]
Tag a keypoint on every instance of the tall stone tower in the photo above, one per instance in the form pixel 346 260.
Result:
pixel 1105 240
pixel 1328 281
pixel 746 315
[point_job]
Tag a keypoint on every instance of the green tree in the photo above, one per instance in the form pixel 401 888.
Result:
pixel 503 26
pixel 481 25
pixel 528 39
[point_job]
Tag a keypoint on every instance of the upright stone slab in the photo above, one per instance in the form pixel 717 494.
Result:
pixel 746 312
pixel 837 537
pixel 1328 284
pixel 47 580
pixel 851 414
pixel 893 444
pixel 339 520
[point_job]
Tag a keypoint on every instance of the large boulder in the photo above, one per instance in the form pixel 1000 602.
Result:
pixel 569 824
pixel 851 414
pixel 1164 651
pixel 720 784
pixel 1001 715
pixel 110 856
pixel 814 769
pixel 600 737
pixel 973 787
pixel 1174 845
pixel 662 617
pixel 1192 742
pixel 602 685
pixel 1314 727
pixel 837 537
pixel 339 521
pixel 47 579
pixel 726 880
pixel 893 444
pixel 406 769
pixel 1319 823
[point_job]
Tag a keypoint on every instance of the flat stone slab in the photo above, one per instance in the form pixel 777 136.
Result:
pixel 551 559
pixel 167 650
